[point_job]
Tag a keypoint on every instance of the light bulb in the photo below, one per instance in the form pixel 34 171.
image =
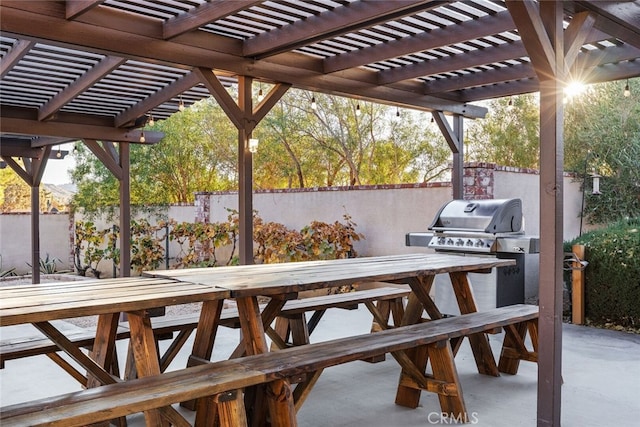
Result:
pixel 58 154
pixel 253 145
pixel 260 95
pixel 314 105
pixel 151 121
pixel 358 112
pixel 180 104
pixel 142 138
pixel 627 90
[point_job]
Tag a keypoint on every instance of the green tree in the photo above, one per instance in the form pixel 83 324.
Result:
pixel 602 135
pixel 98 188
pixel 198 152
pixel 15 194
pixel 299 147
pixel 332 145
pixel 509 135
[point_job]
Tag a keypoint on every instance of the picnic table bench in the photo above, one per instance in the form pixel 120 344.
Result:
pixel 292 318
pixel 219 385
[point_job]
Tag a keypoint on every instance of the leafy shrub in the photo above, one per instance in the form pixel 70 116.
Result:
pixel 200 243
pixel 612 278
pixel 48 265
pixel 88 241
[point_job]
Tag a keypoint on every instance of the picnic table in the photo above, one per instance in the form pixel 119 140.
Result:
pixel 285 281
pixel 41 304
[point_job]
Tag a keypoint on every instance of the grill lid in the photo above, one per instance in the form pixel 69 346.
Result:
pixel 484 216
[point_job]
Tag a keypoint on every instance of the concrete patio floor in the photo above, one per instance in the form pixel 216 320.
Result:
pixel 601 373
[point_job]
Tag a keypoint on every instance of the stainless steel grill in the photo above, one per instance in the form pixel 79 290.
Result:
pixel 477 226
pixel 483 228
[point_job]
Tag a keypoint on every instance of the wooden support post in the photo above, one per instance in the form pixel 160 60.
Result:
pixel 577 286
pixel 125 210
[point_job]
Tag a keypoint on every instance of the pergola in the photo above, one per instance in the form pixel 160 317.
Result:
pixel 99 70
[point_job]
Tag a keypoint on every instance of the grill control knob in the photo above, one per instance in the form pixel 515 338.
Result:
pixel 469 242
pixel 449 241
pixel 459 242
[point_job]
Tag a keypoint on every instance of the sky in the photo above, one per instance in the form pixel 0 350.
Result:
pixel 57 170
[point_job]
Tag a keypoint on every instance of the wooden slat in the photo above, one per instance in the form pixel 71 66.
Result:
pixel 274 279
pixel 34 303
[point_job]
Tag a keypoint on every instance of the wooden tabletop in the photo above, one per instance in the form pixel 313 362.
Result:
pixel 277 279
pixel 61 300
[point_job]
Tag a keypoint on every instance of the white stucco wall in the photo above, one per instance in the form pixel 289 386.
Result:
pixel 15 240
pixel 383 216
pixel 526 186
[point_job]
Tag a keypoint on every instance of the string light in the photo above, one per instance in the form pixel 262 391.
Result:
pixel 180 104
pixel 358 112
pixel 253 145
pixel 397 112
pixel 151 121
pixel 314 106
pixel 627 90
pixel 260 94
pixel 142 138
pixel 59 153
pixel 75 149
pixel 510 103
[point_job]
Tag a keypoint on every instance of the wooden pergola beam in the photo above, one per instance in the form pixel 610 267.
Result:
pixel 621 19
pixel 17 52
pixel 75 8
pixel 576 36
pixel 170 91
pixel 330 24
pixel 202 15
pixel 582 70
pixel 107 154
pixel 526 16
pixel 436 38
pixel 14 125
pixel 85 81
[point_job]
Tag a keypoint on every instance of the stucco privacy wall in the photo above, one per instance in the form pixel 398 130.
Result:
pixel 15 240
pixel 384 214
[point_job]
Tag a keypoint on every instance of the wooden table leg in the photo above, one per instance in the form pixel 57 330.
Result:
pixel 145 352
pixel 278 393
pixel 104 344
pixel 405 395
pixel 485 361
pixel 231 409
pixel 444 369
pixel 514 349
pixel 205 338
pixel 100 358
